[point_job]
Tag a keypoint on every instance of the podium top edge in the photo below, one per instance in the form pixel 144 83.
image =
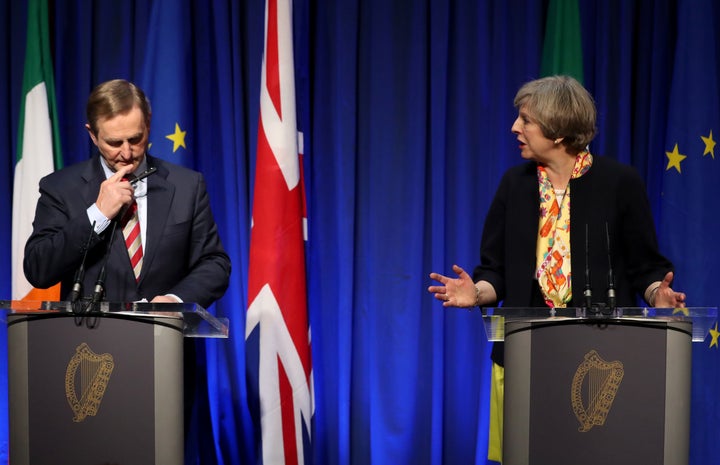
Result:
pixel 495 318
pixel 600 312
pixel 21 306
pixel 198 322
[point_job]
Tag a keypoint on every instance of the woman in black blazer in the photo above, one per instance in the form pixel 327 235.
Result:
pixel 530 254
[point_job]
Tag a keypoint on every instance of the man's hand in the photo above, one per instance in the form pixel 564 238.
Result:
pixel 164 299
pixel 115 193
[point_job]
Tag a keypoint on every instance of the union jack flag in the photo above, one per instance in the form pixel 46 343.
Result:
pixel 277 336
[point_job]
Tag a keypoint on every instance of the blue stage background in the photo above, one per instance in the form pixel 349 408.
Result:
pixel 406 108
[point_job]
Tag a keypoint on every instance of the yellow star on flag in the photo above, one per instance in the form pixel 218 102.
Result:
pixel 709 145
pixel 714 334
pixel 674 159
pixel 683 311
pixel 178 138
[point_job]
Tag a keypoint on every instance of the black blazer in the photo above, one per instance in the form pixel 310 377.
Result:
pixel 611 194
pixel 183 256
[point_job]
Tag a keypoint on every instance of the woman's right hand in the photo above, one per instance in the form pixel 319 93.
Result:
pixel 455 292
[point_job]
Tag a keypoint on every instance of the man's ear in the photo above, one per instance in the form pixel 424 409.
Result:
pixel 92 134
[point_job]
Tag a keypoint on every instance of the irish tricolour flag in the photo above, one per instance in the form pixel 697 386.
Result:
pixel 38 145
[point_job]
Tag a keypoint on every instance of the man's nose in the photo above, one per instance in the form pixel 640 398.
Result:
pixel 126 149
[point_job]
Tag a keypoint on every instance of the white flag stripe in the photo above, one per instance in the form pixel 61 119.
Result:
pixel 276 342
pixel 284 131
pixel 35 163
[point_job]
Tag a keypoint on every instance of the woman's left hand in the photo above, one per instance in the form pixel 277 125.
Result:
pixel 665 297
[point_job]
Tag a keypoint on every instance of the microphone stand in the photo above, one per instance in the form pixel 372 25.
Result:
pixel 611 278
pixel 588 288
pixel 76 292
pixel 99 291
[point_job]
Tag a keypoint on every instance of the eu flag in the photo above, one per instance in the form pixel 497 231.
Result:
pixel 689 222
pixel 167 79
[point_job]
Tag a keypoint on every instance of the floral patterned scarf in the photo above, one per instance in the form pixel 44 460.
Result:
pixel 553 242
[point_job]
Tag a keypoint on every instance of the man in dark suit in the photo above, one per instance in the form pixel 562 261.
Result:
pixel 183 259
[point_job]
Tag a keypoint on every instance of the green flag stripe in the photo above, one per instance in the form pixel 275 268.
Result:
pixel 562 47
pixel 38 68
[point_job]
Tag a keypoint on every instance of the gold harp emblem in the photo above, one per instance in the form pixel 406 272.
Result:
pixel 597 392
pixel 86 379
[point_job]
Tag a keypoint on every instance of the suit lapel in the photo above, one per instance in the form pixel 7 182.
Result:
pixel 528 214
pixel 524 227
pixel 93 176
pixel 160 195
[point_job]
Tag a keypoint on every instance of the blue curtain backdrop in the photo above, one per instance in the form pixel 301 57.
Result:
pixel 406 109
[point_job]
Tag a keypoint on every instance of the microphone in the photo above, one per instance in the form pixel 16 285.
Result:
pixel 143 175
pixel 76 291
pixel 611 279
pixel 588 288
pixel 99 290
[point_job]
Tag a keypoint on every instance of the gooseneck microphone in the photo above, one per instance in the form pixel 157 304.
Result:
pixel 143 175
pixel 76 292
pixel 588 288
pixel 99 290
pixel 611 278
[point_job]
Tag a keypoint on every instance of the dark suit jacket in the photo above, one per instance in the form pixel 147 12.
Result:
pixel 611 194
pixel 184 255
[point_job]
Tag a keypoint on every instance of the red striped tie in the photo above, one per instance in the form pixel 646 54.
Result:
pixel 131 231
